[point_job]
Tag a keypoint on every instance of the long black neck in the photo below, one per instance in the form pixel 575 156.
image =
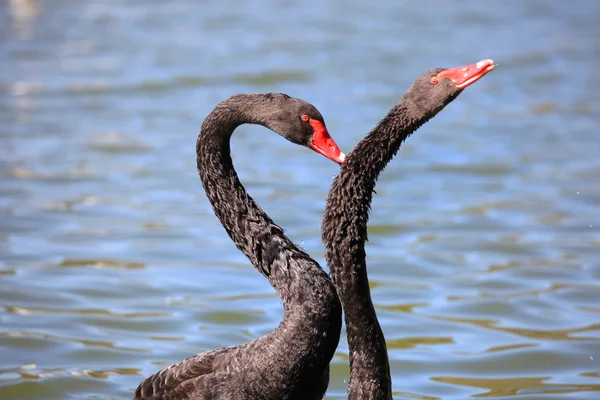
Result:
pixel 304 287
pixel 345 233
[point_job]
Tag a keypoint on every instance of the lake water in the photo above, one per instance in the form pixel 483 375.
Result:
pixel 484 250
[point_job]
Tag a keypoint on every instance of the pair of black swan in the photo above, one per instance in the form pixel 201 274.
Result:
pixel 292 362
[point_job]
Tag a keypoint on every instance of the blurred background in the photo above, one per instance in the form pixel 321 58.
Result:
pixel 484 236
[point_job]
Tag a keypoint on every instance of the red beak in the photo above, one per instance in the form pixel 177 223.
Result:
pixel 469 74
pixel 323 144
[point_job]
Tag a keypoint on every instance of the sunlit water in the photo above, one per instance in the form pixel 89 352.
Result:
pixel 484 236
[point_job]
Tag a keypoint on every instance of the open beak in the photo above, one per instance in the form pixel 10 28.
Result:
pixel 323 144
pixel 469 74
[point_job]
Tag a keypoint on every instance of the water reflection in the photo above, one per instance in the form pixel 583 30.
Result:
pixel 517 386
pixel 562 334
pixel 23 13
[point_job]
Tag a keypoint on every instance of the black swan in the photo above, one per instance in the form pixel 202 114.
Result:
pixel 344 227
pixel 291 362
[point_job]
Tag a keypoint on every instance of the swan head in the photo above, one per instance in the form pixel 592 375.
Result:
pixel 436 88
pixel 301 123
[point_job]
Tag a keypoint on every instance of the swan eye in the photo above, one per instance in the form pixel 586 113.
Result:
pixel 434 80
pixel 305 118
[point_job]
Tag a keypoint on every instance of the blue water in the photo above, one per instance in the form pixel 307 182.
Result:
pixel 484 235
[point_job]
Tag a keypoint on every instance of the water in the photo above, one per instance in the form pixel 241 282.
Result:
pixel 484 235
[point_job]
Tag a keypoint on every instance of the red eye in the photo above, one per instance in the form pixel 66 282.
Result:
pixel 434 80
pixel 305 118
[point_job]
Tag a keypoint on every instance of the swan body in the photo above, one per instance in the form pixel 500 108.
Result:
pixel 292 361
pixel 344 227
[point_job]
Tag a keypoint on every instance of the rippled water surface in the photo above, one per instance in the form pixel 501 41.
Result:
pixel 484 236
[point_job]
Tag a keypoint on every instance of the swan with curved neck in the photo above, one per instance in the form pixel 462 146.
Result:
pixel 291 362
pixel 344 228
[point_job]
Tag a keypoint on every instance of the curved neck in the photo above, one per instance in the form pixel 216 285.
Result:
pixel 245 223
pixel 289 269
pixel 345 233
